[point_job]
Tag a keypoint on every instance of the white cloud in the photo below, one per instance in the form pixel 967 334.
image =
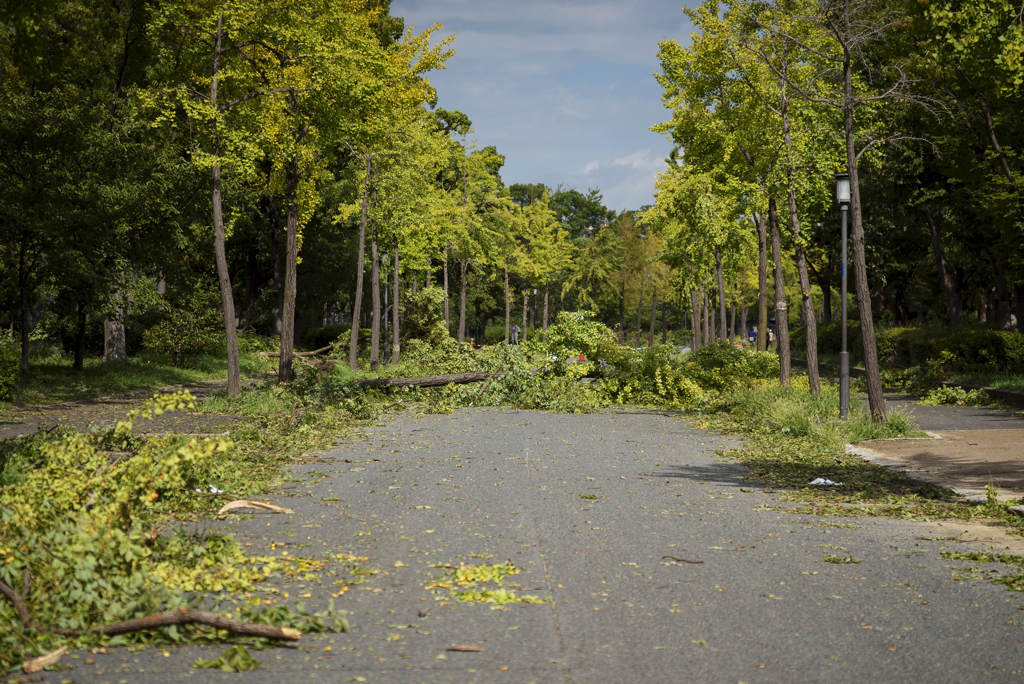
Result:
pixel 564 89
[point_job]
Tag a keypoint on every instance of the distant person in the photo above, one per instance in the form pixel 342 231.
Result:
pixel 515 333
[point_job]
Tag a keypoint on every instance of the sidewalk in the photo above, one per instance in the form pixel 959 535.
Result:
pixel 968 448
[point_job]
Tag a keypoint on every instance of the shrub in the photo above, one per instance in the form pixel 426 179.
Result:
pixel 423 316
pixel 574 333
pixel 720 365
pixel 10 370
pixel 976 349
pixel 954 396
pixel 191 326
pixel 985 349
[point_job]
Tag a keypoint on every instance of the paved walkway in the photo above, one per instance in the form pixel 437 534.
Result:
pixel 970 448
pixel 759 604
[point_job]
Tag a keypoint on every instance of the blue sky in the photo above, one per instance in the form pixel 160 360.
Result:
pixel 563 89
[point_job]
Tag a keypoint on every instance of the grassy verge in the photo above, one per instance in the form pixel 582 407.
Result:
pixel 53 380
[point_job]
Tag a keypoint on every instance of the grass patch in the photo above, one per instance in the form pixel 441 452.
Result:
pixel 52 378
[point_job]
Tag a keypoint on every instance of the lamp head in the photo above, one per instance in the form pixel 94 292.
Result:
pixel 843 188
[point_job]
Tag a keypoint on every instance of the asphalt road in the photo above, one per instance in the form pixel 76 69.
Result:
pixel 489 485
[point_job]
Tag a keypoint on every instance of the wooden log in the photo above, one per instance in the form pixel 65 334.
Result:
pixel 429 381
pixel 311 353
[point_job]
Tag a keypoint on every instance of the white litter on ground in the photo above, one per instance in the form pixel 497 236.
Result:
pixel 823 481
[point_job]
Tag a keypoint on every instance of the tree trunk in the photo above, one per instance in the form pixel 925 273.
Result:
pixel 80 339
pixel 396 339
pixel 622 312
pixel 639 312
pixel 982 308
pixel 762 283
pixel 357 302
pixel 1001 310
pixel 25 311
pixel 508 307
pixel 544 335
pixel 1018 291
pixel 810 324
pixel 876 399
pixel 712 332
pixel 743 324
pixel 695 319
pixel 447 319
pixel 533 310
pixel 219 247
pixel 664 323
pixel 415 283
pixel 949 286
pixel 115 348
pixel 375 295
pixel 781 309
pixel 721 292
pixel 826 293
pixel 525 296
pixel 706 331
pixel 654 316
pixel 291 259
pixel 732 322
pixel 463 267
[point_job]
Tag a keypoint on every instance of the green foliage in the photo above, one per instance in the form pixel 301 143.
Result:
pixel 652 376
pixel 191 326
pixel 91 541
pixel 954 396
pixel 423 316
pixel 841 560
pixel 10 370
pixel 720 365
pixel 575 332
pixel 975 348
pixel 1013 582
pixel 235 659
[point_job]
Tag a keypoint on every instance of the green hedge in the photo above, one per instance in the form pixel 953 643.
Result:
pixel 975 348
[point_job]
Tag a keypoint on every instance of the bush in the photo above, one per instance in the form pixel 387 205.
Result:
pixel 10 370
pixel 574 334
pixel 975 348
pixel 720 365
pixel 954 396
pixel 985 349
pixel 191 326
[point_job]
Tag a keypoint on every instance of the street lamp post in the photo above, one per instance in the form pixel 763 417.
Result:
pixel 843 198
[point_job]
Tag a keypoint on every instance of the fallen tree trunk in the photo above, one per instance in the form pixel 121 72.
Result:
pixel 312 353
pixel 429 381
